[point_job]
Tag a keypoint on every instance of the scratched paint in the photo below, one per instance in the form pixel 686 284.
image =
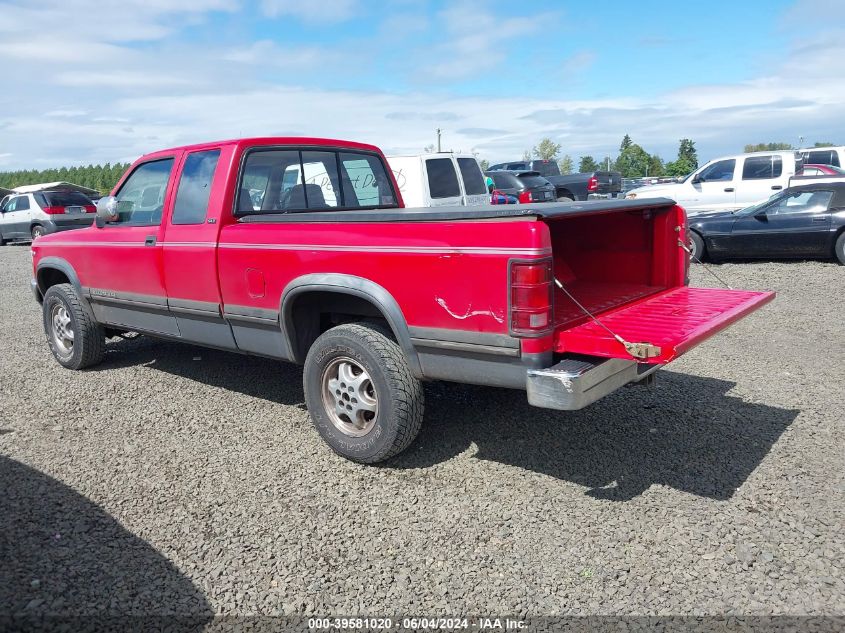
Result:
pixel 499 318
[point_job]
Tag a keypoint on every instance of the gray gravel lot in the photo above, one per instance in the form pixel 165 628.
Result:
pixel 173 479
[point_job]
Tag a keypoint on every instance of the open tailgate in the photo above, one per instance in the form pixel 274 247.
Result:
pixel 674 320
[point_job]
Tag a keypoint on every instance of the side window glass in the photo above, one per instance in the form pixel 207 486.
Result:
pixel 322 185
pixel 271 182
pixel 23 204
pixel 140 200
pixel 442 179
pixel 191 204
pixel 472 176
pixel 10 205
pixel 762 167
pixel 804 202
pixel 723 170
pixel 364 181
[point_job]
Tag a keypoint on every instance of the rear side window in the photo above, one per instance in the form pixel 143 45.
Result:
pixel 762 167
pixel 22 204
pixel 442 179
pixel 141 198
pixel 472 177
pixel 66 199
pixel 504 180
pixel 194 187
pixel 534 181
pixel 282 181
pixel 823 157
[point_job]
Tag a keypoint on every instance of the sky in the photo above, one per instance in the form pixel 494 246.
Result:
pixel 91 81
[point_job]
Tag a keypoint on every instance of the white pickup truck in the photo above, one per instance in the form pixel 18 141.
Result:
pixel 731 182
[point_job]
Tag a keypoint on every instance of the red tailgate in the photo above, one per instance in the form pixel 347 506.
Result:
pixel 675 320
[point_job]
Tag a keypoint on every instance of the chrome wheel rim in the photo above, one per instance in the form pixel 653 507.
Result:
pixel 37 232
pixel 63 334
pixel 349 397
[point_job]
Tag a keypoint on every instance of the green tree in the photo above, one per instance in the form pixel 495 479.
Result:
pixel 546 149
pixel 824 144
pixel 686 162
pixel 587 163
pixel 655 166
pixel 625 144
pixel 633 161
pixel 566 165
pixel 766 147
pixel 485 164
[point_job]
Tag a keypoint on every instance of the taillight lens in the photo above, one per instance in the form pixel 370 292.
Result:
pixel 525 196
pixel 531 297
pixel 90 208
pixel 54 210
pixel 593 184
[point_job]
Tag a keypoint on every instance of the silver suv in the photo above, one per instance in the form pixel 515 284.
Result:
pixel 26 216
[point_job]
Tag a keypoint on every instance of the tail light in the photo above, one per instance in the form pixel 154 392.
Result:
pixel 593 184
pixel 525 196
pixel 90 208
pixel 531 301
pixel 53 210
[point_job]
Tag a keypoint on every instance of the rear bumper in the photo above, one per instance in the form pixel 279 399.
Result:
pixel 60 223
pixel 575 383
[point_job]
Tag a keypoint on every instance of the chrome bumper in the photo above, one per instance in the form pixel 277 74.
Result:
pixel 574 383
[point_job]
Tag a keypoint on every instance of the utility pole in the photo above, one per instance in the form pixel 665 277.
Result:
pixel 438 140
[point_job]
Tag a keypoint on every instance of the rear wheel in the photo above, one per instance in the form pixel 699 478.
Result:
pixel 697 248
pixel 74 337
pixel 565 198
pixel 360 392
pixel 37 231
pixel 839 249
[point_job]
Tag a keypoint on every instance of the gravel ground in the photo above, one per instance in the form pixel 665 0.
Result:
pixel 173 479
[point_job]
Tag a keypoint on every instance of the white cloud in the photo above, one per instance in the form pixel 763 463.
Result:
pixel 325 11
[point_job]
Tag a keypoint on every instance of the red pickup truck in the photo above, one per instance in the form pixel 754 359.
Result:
pixel 300 249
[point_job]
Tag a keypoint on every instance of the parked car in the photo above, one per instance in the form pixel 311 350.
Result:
pixel 585 186
pixel 834 156
pixel 27 216
pixel 435 180
pixel 525 186
pixel 371 297
pixel 808 171
pixel 806 221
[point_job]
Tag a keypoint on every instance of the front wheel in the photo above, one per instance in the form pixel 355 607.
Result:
pixel 74 337
pixel 360 392
pixel 839 249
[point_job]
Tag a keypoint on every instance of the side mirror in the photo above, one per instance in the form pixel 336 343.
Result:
pixel 697 179
pixel 762 215
pixel 106 210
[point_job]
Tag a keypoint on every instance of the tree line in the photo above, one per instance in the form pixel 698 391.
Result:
pixel 635 162
pixel 100 177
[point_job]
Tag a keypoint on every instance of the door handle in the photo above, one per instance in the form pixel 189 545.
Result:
pixel 150 240
pixel 776 187
pixel 820 219
pixel 729 189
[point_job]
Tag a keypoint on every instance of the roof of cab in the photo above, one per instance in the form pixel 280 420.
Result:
pixel 267 140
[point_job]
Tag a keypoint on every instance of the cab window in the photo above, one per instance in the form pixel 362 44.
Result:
pixel 721 170
pixel 140 200
pixel 762 167
pixel 191 204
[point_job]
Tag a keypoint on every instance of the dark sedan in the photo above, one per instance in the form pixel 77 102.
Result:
pixel 806 221
pixel 525 186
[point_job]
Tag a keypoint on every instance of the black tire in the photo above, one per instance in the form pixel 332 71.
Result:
pixel 3 240
pixel 565 198
pixel 696 243
pixel 36 231
pixel 88 342
pixel 398 396
pixel 839 248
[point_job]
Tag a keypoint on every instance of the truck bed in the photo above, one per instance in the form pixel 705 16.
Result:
pixel 544 210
